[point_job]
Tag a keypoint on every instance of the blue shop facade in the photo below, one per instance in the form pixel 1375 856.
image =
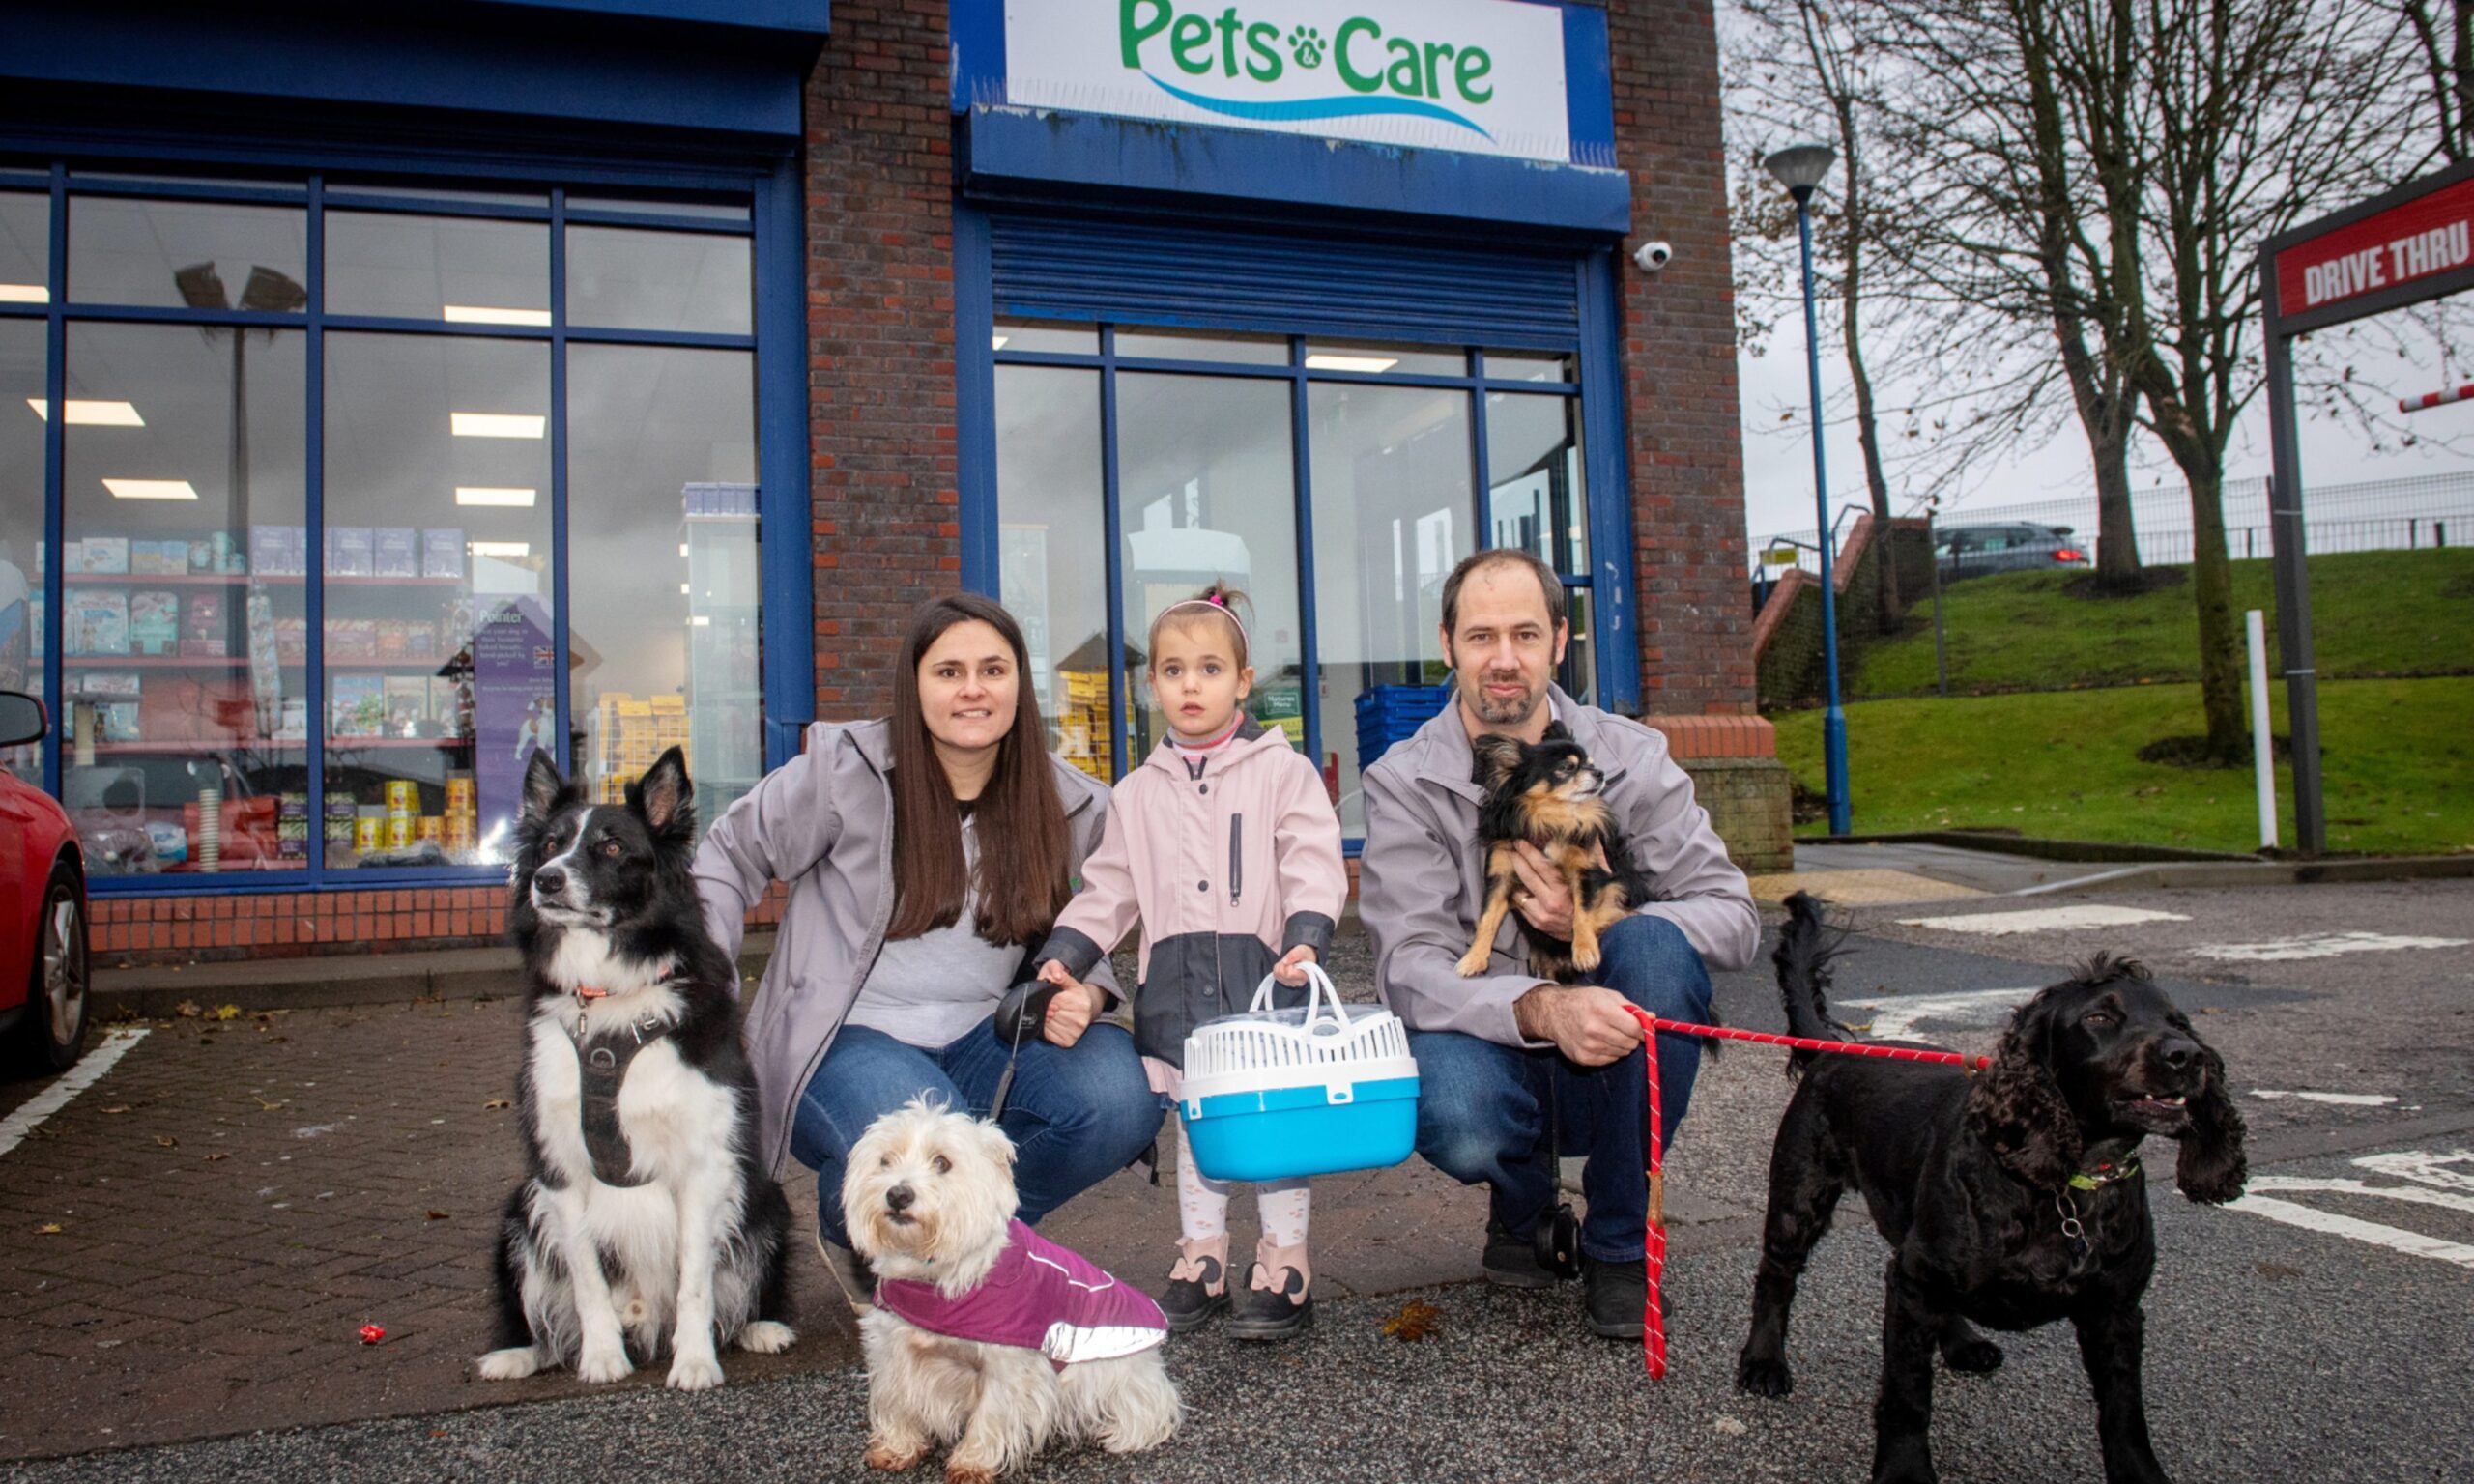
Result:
pixel 386 399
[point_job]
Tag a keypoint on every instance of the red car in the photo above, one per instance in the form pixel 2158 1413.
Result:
pixel 43 970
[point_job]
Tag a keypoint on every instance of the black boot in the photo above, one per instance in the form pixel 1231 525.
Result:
pixel 1618 1293
pixel 1197 1289
pixel 1510 1259
pixel 1273 1313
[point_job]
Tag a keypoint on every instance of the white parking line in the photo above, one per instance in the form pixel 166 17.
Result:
pixel 51 1099
pixel 2044 920
pixel 1894 1016
pixel 2420 1165
pixel 2396 1238
pixel 2323 945
pixel 2343 1099
pixel 2411 1195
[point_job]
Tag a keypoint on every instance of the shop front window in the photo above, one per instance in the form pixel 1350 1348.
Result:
pixel 1051 576
pixel 662 444
pixel 21 564
pixel 183 744
pixel 1202 480
pixel 437 532
pixel 528 526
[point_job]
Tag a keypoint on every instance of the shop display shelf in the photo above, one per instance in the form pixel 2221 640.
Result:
pixel 362 744
pixel 159 661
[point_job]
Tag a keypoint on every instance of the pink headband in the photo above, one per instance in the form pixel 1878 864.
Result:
pixel 1215 605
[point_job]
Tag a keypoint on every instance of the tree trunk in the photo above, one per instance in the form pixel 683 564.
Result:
pixel 2212 589
pixel 2116 538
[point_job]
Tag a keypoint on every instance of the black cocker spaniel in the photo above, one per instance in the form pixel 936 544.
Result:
pixel 2010 1198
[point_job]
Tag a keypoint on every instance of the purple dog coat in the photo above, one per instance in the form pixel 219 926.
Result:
pixel 1038 1296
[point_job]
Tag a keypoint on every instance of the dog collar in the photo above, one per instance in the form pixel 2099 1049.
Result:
pixel 2104 1174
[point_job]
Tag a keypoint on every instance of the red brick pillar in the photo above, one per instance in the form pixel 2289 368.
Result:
pixel 880 341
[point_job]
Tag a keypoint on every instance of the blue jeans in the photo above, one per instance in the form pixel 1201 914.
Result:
pixel 1481 1108
pixel 1075 1115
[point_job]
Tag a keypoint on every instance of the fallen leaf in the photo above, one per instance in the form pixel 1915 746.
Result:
pixel 438 1432
pixel 1415 1321
pixel 2269 1270
pixel 167 1141
pixel 187 1009
pixel 1729 1427
pixel 48 1228
pixel 499 1103
pixel 437 1215
pixel 266 1105
pixel 119 1108
pixel 219 1154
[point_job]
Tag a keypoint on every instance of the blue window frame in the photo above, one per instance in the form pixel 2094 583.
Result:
pixel 563 199
pixel 1130 289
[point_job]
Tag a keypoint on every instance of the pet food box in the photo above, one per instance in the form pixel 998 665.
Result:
pixel 154 622
pixel 360 706
pixel 203 636
pixel 280 551
pixel 1285 1094
pixel 158 559
pixel 443 551
pixel 115 696
pixel 107 555
pixel 396 552
pixel 95 621
pixel 352 551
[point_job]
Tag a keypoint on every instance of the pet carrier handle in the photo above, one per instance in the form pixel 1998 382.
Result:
pixel 1322 998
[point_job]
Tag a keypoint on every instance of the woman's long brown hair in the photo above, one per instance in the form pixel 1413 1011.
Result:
pixel 1024 876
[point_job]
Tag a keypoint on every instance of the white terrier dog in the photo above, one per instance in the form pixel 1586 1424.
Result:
pixel 983 1331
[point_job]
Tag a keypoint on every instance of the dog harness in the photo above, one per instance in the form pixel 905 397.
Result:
pixel 601 1067
pixel 1038 1296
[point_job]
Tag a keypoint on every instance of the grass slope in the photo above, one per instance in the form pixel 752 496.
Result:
pixel 2373 614
pixel 2398 766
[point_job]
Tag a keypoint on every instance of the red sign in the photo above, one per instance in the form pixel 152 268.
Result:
pixel 2416 238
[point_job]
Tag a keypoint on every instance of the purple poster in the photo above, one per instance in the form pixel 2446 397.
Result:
pixel 515 691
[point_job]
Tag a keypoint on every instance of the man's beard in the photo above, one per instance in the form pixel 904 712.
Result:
pixel 1501 713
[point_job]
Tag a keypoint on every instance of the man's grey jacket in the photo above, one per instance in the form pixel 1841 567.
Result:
pixel 1422 876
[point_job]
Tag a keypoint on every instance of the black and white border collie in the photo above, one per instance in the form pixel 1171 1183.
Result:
pixel 644 1210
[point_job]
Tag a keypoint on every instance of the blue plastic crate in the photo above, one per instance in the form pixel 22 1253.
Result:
pixel 1292 1133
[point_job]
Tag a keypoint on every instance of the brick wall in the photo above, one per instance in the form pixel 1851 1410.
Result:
pixel 121 932
pixel 1679 363
pixel 880 341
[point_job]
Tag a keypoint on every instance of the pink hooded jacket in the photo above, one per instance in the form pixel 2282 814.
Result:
pixel 1229 864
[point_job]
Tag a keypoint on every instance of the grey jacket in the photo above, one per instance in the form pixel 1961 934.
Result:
pixel 1422 876
pixel 823 823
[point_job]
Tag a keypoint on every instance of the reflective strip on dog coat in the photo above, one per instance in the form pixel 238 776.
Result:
pixel 1038 1296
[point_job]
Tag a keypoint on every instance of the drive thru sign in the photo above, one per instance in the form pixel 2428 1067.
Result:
pixel 2410 244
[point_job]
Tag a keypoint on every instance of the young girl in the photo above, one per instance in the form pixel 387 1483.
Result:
pixel 1226 845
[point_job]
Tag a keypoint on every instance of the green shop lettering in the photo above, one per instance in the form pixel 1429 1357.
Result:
pixel 1367 60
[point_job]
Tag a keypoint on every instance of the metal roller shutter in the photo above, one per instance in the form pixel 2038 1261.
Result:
pixel 1173 273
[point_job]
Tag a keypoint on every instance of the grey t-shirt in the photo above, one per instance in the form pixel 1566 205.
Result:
pixel 925 991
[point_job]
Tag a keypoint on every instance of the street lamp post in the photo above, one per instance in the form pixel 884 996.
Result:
pixel 1800 167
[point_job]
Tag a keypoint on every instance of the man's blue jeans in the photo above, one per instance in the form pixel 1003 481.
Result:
pixel 1481 1108
pixel 1076 1115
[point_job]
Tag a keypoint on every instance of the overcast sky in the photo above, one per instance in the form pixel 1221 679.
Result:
pixel 1778 459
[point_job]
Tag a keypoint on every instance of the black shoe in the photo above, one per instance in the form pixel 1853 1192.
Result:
pixel 1189 1302
pixel 1271 1313
pixel 1512 1259
pixel 1618 1293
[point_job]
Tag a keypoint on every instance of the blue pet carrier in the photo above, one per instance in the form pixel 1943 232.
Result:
pixel 1284 1094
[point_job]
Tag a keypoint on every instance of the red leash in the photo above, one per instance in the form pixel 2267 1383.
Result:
pixel 1654 1244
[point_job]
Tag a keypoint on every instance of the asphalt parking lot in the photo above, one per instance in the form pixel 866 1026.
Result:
pixel 2316 1331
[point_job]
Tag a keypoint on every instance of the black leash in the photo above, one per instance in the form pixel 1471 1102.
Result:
pixel 1557 1241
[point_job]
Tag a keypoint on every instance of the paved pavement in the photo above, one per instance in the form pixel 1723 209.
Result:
pixel 186 1297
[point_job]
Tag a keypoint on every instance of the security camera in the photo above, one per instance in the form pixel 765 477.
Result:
pixel 1653 256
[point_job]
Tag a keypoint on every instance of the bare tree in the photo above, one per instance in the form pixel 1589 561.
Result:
pixel 2445 38
pixel 1999 218
pixel 1829 54
pixel 2247 118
